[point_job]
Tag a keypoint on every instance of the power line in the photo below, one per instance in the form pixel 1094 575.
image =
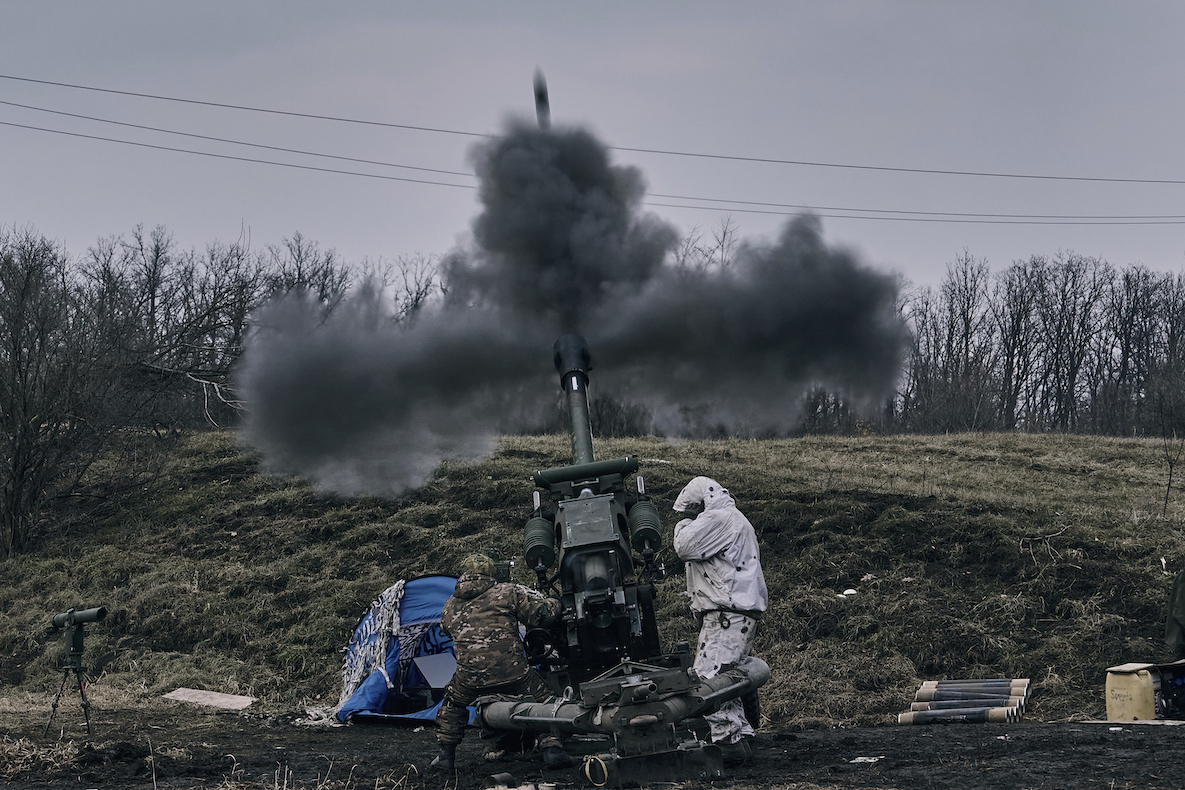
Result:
pixel 233 142
pixel 986 219
pixel 242 107
pixel 800 207
pixel 821 211
pixel 803 207
pixel 922 170
pixel 238 158
pixel 658 151
pixel 736 206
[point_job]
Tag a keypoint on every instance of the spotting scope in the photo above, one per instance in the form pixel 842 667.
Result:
pixel 74 616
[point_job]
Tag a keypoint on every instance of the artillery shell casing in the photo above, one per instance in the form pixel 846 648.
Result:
pixel 994 686
pixel 930 694
pixel 965 715
pixel 983 702
pixel 976 681
pixel 500 780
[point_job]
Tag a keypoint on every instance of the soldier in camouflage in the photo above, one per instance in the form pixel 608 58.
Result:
pixel 483 617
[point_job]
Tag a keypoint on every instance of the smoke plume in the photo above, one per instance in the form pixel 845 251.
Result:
pixel 737 346
pixel 360 404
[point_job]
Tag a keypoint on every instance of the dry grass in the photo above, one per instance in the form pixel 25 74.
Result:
pixel 22 756
pixel 335 778
pixel 973 555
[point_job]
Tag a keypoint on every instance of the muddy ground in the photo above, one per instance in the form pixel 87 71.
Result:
pixel 181 745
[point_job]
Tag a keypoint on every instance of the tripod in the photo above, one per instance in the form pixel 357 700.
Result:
pixel 72 663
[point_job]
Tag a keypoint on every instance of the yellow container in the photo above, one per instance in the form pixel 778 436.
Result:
pixel 1131 692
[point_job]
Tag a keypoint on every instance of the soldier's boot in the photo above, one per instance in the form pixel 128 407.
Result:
pixel 735 754
pixel 447 759
pixel 556 757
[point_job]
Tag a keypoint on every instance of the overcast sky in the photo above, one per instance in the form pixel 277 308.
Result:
pixel 1086 100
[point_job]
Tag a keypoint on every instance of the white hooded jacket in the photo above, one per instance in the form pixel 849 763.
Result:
pixel 721 552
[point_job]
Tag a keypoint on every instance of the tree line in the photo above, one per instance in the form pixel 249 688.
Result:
pixel 140 335
pixel 1066 343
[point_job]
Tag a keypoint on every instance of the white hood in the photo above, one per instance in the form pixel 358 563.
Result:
pixel 705 490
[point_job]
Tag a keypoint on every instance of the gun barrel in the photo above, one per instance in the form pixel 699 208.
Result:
pixel 573 361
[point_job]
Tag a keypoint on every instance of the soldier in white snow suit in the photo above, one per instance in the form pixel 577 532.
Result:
pixel 727 592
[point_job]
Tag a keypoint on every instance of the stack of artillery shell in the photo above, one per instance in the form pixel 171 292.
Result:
pixel 973 701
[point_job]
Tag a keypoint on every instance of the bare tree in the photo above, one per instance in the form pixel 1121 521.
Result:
pixel 951 366
pixel 150 259
pixel 613 417
pixel 692 253
pixel 685 254
pixel 57 391
pixel 418 283
pixel 968 344
pixel 1127 348
pixel 177 318
pixel 724 242
pixel 138 333
pixel 919 392
pixel 224 286
pixel 1069 296
pixel 1013 310
pixel 298 264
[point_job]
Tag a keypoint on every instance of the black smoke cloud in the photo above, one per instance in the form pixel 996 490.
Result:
pixel 736 346
pixel 560 235
pixel 361 405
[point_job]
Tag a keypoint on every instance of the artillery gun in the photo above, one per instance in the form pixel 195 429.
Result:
pixel 606 593
pixel 638 709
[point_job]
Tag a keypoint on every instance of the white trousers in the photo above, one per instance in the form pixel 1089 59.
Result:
pixel 725 638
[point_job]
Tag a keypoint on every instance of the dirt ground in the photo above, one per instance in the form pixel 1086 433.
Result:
pixel 181 745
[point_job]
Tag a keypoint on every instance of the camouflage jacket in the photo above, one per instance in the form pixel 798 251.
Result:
pixel 483 617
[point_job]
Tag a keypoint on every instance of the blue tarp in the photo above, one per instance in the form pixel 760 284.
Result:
pixel 411 699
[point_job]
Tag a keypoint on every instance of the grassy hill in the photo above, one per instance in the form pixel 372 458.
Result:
pixel 1046 557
